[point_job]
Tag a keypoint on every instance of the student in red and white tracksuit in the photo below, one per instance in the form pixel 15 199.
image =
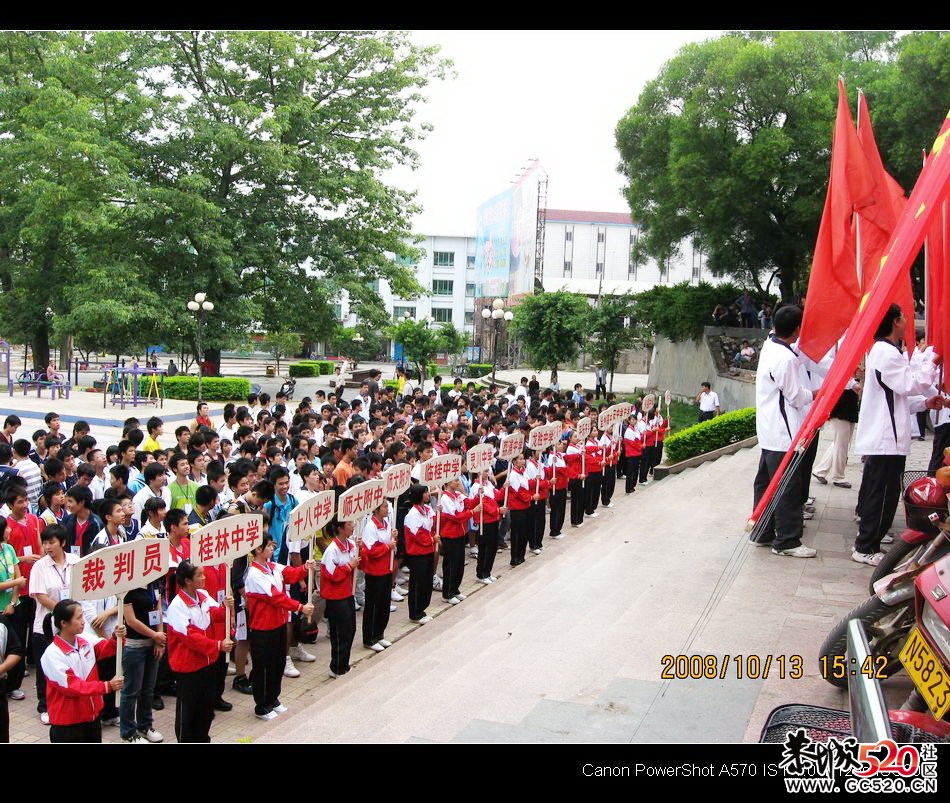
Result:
pixel 595 475
pixel 632 451
pixel 339 562
pixel 376 557
pixel 520 496
pixel 488 519
pixel 610 472
pixel 558 475
pixel 455 515
pixel 540 487
pixel 421 543
pixel 193 650
pixel 663 425
pixel 573 458
pixel 217 583
pixel 74 691
pixel 649 429
pixel 268 609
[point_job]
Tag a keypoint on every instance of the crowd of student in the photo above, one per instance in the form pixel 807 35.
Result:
pixel 66 497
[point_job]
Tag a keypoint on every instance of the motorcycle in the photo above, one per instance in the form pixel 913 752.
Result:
pixel 287 388
pixel 888 615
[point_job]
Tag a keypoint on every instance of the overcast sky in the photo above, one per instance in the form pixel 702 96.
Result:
pixel 552 95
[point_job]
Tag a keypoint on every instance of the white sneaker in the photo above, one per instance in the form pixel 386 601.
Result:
pixel 395 596
pixel 473 552
pixel 808 515
pixel 872 559
pixel 453 601
pixel 280 708
pixel 492 578
pixel 535 551
pixel 385 643
pixel 334 674
pixel 436 583
pixel 268 716
pixel 290 671
pixel 611 504
pixel 135 738
pixel 423 620
pixel 401 581
pixel 810 500
pixel 557 537
pixel 484 580
pixel 298 653
pixel 359 607
pixel 404 570
pixel 887 539
pixel 377 647
pixel 232 669
pixel 593 515
pixel 392 608
pixel 152 735
pixel 44 718
pixel 797 552
pixel 460 596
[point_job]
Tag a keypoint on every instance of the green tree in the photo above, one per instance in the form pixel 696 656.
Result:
pixel 451 342
pixel 419 342
pixel 282 344
pixel 680 312
pixel 614 327
pixel 344 342
pixel 730 145
pixel 552 327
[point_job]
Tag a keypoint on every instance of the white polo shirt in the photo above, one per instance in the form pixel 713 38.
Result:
pixel 708 401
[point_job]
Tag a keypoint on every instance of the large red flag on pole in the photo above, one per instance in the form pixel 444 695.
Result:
pixel 923 208
pixel 834 287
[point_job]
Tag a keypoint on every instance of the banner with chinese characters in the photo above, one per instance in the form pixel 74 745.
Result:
pixel 227 540
pixel 360 500
pixel 310 517
pixel 117 569
pixel 438 470
pixel 540 438
pixel 396 480
pixel 479 458
pixel 583 428
pixel 511 446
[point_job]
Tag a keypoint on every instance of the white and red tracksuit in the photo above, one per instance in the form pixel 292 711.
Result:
pixel 375 560
pixel 419 529
pixel 456 515
pixel 536 475
pixel 73 689
pixel 336 587
pixel 489 517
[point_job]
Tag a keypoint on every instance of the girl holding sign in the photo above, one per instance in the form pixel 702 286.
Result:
pixel 267 608
pixel 573 457
pixel 557 473
pixel 492 514
pixel 457 512
pixel 376 547
pixel 520 497
pixel 421 543
pixel 339 562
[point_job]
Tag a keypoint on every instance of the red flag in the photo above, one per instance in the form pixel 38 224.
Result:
pixel 833 286
pixel 938 283
pixel 923 208
pixel 880 215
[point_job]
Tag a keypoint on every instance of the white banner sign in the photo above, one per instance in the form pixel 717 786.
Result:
pixel 438 470
pixel 308 518
pixel 360 500
pixel 540 438
pixel 117 569
pixel 227 540
pixel 511 446
pixel 583 428
pixel 396 480
pixel 479 458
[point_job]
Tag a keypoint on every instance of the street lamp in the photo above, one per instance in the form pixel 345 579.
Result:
pixel 497 313
pixel 199 306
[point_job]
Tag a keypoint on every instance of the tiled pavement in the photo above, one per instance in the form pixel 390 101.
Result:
pixel 570 646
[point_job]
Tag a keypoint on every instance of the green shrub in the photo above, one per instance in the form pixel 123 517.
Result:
pixel 311 368
pixel 679 312
pixel 213 388
pixel 710 435
pixel 477 369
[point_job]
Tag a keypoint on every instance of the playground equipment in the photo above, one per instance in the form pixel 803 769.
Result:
pixel 122 386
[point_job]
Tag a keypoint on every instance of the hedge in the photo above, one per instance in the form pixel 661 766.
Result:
pixel 710 435
pixel 477 369
pixel 213 388
pixel 392 383
pixel 311 368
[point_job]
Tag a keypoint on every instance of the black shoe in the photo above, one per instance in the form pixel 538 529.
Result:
pixel 158 704
pixel 222 705
pixel 242 684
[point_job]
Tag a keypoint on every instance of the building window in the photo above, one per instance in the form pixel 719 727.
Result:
pixel 374 285
pixel 665 271
pixel 470 262
pixel 599 269
pixel 632 258
pixel 442 314
pixel 443 259
pixel 470 289
pixel 399 312
pixel 406 261
pixel 568 235
pixel 697 262
pixel 567 267
pixel 601 235
pixel 469 317
pixel 442 287
pixel 338 312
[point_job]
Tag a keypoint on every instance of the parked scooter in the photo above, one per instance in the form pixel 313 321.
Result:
pixel 287 388
pixel 888 615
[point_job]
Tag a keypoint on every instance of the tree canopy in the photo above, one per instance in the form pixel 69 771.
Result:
pixel 552 327
pixel 247 165
pixel 730 143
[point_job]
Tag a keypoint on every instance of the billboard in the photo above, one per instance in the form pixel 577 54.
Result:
pixel 506 236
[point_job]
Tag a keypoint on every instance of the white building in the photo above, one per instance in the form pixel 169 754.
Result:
pixel 595 252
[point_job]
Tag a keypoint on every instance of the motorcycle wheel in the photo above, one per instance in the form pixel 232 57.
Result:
pixel 886 627
pixel 900 557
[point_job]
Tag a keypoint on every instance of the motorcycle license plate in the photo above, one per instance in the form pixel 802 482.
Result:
pixel 930 677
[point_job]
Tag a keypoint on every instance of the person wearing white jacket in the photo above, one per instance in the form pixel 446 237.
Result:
pixel 883 434
pixel 782 395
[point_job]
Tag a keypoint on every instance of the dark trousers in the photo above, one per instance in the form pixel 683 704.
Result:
pixel 106 669
pixel 194 708
pixel 341 614
pixel 804 470
pixel 645 460
pixel 5 714
pixel 487 546
pixel 22 624
pixel 558 509
pixel 784 526
pixel 268 657
pixel 165 682
pixel 376 609
pixel 592 492
pixel 878 499
pixel 40 643
pixel 520 522
pixel 453 566
pixel 576 487
pixel 607 485
pixel 632 470
pixel 708 415
pixel 139 666
pixel 536 517
pixel 600 390
pixel 220 675
pixel 421 569
pixel 941 442
pixel 76 734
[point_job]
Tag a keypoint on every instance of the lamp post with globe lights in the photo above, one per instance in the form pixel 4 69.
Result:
pixel 199 306
pixel 497 313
